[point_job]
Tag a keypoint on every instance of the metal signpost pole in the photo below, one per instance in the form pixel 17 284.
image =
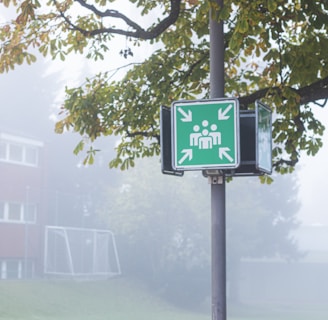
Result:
pixel 206 135
pixel 218 183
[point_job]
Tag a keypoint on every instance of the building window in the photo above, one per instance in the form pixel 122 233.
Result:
pixel 3 150
pixel 3 268
pixel 19 150
pixel 15 152
pixel 16 268
pixel 2 211
pixel 19 154
pixel 14 212
pixel 18 212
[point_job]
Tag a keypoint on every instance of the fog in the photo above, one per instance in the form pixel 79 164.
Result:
pixel 61 220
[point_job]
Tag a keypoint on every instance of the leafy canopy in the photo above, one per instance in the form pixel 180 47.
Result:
pixel 275 50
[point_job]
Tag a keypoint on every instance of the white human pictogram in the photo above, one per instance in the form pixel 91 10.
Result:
pixel 215 135
pixel 205 139
pixel 195 136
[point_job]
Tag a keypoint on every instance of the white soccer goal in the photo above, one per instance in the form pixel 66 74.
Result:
pixel 80 252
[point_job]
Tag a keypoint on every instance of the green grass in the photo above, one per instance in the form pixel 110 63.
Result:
pixel 120 299
pixel 281 311
pixel 115 299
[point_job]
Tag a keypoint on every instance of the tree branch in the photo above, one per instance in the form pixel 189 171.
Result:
pixel 315 91
pixel 109 14
pixel 145 134
pixel 137 31
pixel 247 100
pixel 281 162
pixel 311 93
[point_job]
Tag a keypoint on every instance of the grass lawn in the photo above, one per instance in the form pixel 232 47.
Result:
pixel 114 299
pixel 279 311
pixel 119 299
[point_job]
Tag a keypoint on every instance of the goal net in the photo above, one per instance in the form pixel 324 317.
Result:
pixel 80 252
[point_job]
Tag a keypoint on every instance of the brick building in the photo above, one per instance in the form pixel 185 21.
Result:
pixel 21 206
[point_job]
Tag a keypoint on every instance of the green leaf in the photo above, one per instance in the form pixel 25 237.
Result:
pixel 79 147
pixel 272 5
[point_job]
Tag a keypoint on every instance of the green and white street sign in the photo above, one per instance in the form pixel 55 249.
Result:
pixel 205 134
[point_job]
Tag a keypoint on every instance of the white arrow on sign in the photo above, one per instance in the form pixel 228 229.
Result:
pixel 187 154
pixel 187 116
pixel 222 115
pixel 223 152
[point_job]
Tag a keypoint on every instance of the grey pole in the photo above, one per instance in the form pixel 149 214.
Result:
pixel 218 204
pixel 216 56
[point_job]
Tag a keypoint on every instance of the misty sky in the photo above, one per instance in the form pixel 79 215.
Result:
pixel 313 172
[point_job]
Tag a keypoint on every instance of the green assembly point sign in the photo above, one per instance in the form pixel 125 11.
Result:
pixel 205 134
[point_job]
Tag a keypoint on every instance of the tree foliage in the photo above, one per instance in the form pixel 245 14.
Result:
pixel 275 50
pixel 163 236
pixel 164 231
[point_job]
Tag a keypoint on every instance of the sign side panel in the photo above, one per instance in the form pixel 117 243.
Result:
pixel 263 138
pixel 166 142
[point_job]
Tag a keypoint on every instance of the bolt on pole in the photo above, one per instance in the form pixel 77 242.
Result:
pixel 218 198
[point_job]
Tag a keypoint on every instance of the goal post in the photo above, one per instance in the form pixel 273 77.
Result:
pixel 80 252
